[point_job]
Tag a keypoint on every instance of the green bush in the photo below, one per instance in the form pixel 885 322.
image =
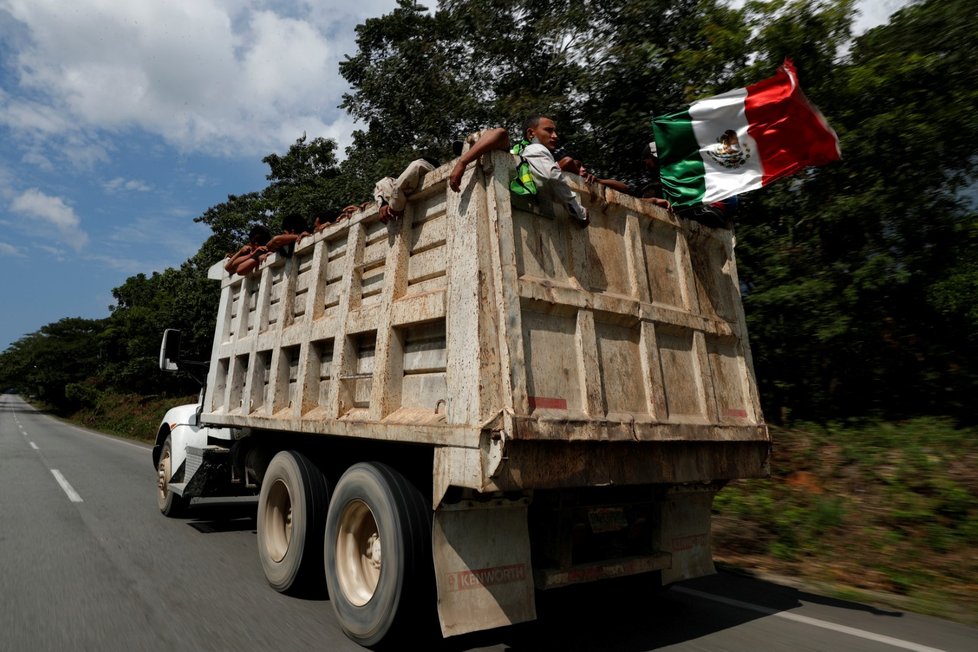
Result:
pixel 890 507
pixel 82 396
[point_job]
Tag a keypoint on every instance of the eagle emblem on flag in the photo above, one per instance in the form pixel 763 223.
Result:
pixel 728 150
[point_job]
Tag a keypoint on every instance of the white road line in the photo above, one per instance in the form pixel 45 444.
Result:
pixel 815 622
pixel 34 446
pixel 72 494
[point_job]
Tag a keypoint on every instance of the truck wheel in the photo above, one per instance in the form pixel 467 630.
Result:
pixel 291 514
pixel 169 503
pixel 378 551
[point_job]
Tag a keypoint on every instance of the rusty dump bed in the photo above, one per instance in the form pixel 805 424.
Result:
pixel 528 351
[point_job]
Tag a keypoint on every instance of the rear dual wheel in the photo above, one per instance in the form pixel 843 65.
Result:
pixel 291 518
pixel 378 552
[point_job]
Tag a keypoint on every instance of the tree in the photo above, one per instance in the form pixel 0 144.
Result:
pixel 649 57
pixel 599 68
pixel 44 363
pixel 182 298
pixel 305 180
pixel 852 268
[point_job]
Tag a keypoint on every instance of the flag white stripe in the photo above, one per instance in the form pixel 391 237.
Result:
pixel 711 118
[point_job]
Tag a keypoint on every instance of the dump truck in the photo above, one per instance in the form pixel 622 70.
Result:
pixel 451 412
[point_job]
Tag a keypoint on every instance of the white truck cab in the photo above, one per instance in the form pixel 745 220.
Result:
pixel 181 441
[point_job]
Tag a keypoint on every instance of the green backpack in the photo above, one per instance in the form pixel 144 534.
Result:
pixel 523 184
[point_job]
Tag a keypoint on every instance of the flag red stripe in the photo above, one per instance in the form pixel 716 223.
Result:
pixel 790 132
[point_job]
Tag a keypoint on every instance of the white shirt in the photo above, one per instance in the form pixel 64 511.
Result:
pixel 547 174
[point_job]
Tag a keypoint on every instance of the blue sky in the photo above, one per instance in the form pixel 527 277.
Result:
pixel 122 120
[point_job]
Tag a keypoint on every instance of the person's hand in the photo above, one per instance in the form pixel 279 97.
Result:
pixel 348 211
pixel 455 178
pixel 569 164
pixel 388 213
pixel 656 201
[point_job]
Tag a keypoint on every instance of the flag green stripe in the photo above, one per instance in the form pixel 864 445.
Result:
pixel 680 164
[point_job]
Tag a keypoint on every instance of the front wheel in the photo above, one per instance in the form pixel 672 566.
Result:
pixel 377 551
pixel 170 504
pixel 291 510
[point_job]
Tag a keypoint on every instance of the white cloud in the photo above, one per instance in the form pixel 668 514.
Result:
pixel 53 211
pixel 233 77
pixel 55 252
pixel 133 185
pixel 872 13
pixel 867 14
pixel 34 116
pixel 163 234
pixel 7 249
pixel 36 158
pixel 6 183
pixel 126 265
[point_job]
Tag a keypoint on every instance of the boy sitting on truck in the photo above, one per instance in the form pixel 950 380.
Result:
pixel 538 167
pixel 261 244
pixel 248 256
pixel 294 228
pixel 391 194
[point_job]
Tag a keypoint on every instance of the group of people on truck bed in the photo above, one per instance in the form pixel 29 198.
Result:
pixel 541 165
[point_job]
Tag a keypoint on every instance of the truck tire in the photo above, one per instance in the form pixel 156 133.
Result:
pixel 378 552
pixel 291 514
pixel 169 503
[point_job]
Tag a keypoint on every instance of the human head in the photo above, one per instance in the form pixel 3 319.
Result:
pixel 259 235
pixel 650 155
pixel 294 223
pixel 542 129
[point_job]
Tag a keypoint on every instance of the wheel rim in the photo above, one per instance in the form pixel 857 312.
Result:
pixel 358 553
pixel 278 521
pixel 163 480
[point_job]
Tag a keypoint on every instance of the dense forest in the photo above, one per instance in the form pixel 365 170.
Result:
pixel 858 277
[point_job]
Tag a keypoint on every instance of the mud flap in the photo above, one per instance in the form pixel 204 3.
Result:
pixel 685 532
pixel 482 565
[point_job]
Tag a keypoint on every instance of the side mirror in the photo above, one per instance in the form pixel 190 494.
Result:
pixel 170 350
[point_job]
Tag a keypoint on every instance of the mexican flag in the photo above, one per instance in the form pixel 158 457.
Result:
pixel 741 140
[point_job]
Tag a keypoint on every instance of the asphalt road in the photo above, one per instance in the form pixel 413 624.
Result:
pixel 87 562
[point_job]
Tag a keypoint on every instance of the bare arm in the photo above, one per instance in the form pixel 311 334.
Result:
pixel 493 139
pixel 568 164
pixel 656 201
pixel 281 240
pixel 614 184
pixel 236 257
